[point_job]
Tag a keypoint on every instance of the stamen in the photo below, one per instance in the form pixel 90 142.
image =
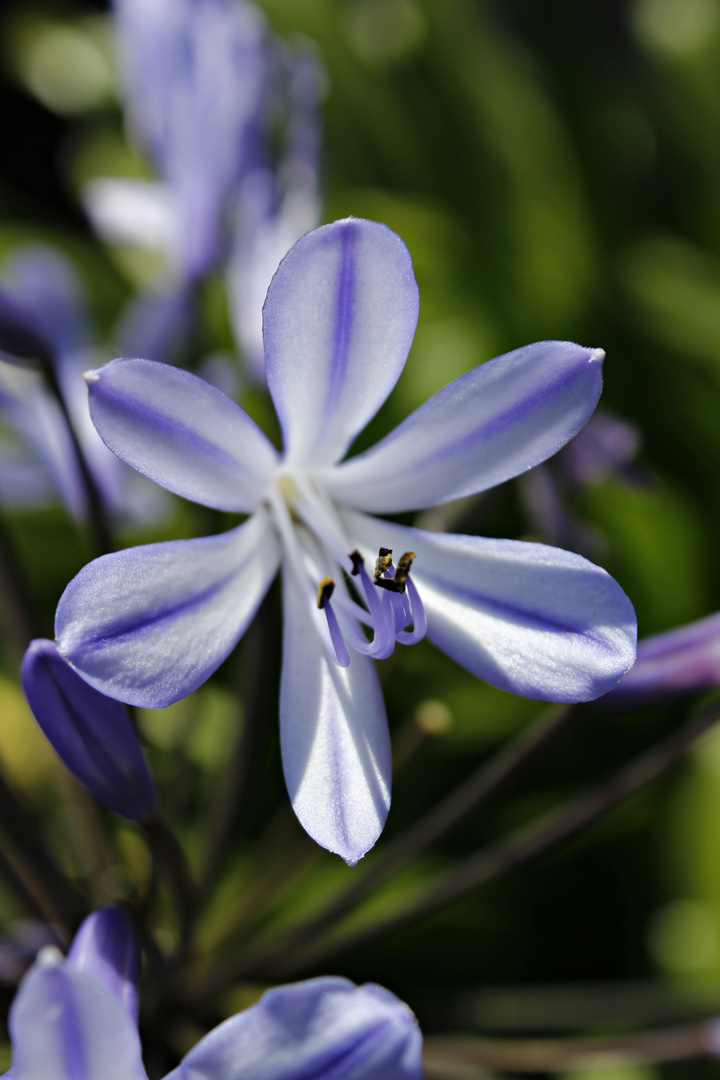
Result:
pixel 396 584
pixel 325 591
pixel 419 618
pixel 383 643
pixel 382 563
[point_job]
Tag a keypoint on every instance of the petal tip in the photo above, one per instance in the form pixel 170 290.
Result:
pixel 91 376
pixel 596 356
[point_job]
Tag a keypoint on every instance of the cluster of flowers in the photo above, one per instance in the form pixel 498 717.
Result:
pixel 77 1018
pixel 148 625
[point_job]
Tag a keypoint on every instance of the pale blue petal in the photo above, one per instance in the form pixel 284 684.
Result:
pixel 148 625
pixel 489 425
pixel 105 948
pixel 338 322
pixel 66 1026
pixel 539 621
pixel 323 1029
pixel 182 433
pixel 334 737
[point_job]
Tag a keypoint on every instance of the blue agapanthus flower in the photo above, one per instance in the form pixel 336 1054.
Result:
pixel 150 624
pixel 77 1018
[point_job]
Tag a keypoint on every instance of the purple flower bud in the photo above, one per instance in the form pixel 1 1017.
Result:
pixel 21 338
pixel 92 733
pixel 680 661
pixel 106 949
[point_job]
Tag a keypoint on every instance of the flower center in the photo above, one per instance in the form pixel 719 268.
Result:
pixel 316 548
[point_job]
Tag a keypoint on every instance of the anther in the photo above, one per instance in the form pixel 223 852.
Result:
pixel 325 591
pixel 397 583
pixel 382 563
pixel 357 562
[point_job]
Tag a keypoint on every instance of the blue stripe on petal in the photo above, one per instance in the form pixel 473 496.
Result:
pixel 334 738
pixel 67 1026
pixel 489 425
pixel 344 316
pixel 150 624
pixel 532 619
pixel 181 432
pixel 338 322
pixel 322 1029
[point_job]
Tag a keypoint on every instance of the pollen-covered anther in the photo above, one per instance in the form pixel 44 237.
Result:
pixel 382 563
pixel 325 590
pixel 398 583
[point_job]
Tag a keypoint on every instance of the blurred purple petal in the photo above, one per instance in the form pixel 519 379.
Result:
pixel 486 427
pixel 46 284
pixel 194 73
pixel 22 337
pixel 106 949
pixel 93 734
pixel 338 323
pixel 155 325
pixel 142 213
pixel 276 205
pixel 681 661
pixel 604 446
pixel 323 1029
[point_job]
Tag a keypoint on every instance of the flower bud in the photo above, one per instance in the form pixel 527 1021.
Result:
pixel 92 733
pixel 106 949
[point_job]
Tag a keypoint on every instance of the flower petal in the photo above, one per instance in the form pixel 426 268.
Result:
pixel 105 948
pixel 142 212
pixel 539 621
pixel 489 425
pixel 334 737
pixel 92 733
pixel 322 1029
pixel 338 322
pixel 65 1025
pixel 46 284
pixel 148 625
pixel 182 433
pixel 680 661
